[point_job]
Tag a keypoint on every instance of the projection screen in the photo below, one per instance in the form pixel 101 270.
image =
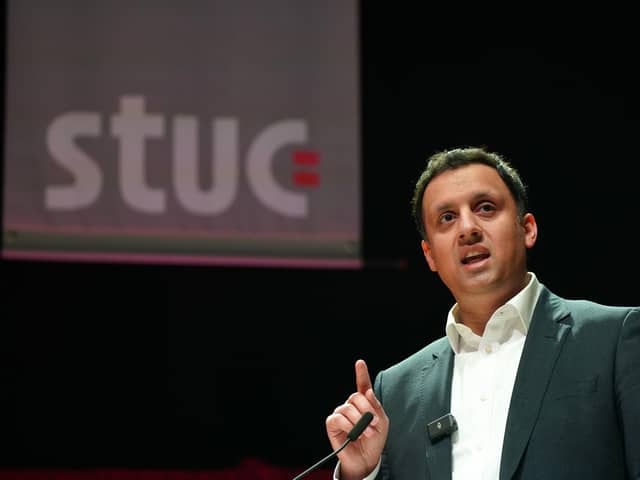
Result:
pixel 211 132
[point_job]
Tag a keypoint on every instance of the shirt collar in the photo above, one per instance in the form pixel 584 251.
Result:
pixel 515 314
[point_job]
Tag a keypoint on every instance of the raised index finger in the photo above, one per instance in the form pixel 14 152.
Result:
pixel 363 381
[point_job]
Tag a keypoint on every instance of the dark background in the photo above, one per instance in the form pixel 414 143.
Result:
pixel 200 367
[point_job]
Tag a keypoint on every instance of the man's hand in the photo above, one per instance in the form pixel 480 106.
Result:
pixel 361 456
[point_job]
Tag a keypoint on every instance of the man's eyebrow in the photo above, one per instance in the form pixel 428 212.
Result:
pixel 442 207
pixel 481 195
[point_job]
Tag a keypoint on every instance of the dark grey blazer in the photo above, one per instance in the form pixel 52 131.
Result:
pixel 575 408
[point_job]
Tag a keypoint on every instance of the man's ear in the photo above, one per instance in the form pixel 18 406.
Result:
pixel 530 230
pixel 426 250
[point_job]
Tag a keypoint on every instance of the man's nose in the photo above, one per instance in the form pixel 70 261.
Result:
pixel 469 230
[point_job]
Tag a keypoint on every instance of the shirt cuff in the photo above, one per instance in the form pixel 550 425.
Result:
pixel 371 476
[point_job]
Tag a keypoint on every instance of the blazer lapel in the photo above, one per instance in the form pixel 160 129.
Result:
pixel 542 346
pixel 436 398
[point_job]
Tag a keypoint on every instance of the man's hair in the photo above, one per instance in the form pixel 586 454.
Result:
pixel 459 157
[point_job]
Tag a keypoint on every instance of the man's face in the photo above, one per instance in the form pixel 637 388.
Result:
pixel 475 240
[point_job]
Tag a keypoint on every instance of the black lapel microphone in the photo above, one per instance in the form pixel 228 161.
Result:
pixel 442 427
pixel 355 432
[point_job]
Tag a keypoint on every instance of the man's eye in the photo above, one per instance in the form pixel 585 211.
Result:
pixel 486 207
pixel 446 217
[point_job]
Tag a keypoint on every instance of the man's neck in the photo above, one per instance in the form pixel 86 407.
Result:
pixel 476 317
pixel 476 310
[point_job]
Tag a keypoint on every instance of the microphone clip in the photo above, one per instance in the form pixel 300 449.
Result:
pixel 442 427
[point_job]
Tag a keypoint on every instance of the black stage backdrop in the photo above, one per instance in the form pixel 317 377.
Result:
pixel 199 367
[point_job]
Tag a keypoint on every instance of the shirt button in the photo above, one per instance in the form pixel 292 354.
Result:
pixel 488 349
pixel 483 398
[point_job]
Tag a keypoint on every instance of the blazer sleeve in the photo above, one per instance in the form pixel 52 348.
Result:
pixel 627 378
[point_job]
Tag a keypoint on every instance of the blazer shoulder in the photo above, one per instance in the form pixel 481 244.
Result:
pixel 397 384
pixel 582 310
pixel 423 357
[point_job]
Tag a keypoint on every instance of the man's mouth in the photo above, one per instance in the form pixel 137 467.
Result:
pixel 473 257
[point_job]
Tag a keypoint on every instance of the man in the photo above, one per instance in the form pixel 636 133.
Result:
pixel 539 386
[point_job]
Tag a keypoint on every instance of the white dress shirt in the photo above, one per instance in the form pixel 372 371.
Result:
pixel 484 372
